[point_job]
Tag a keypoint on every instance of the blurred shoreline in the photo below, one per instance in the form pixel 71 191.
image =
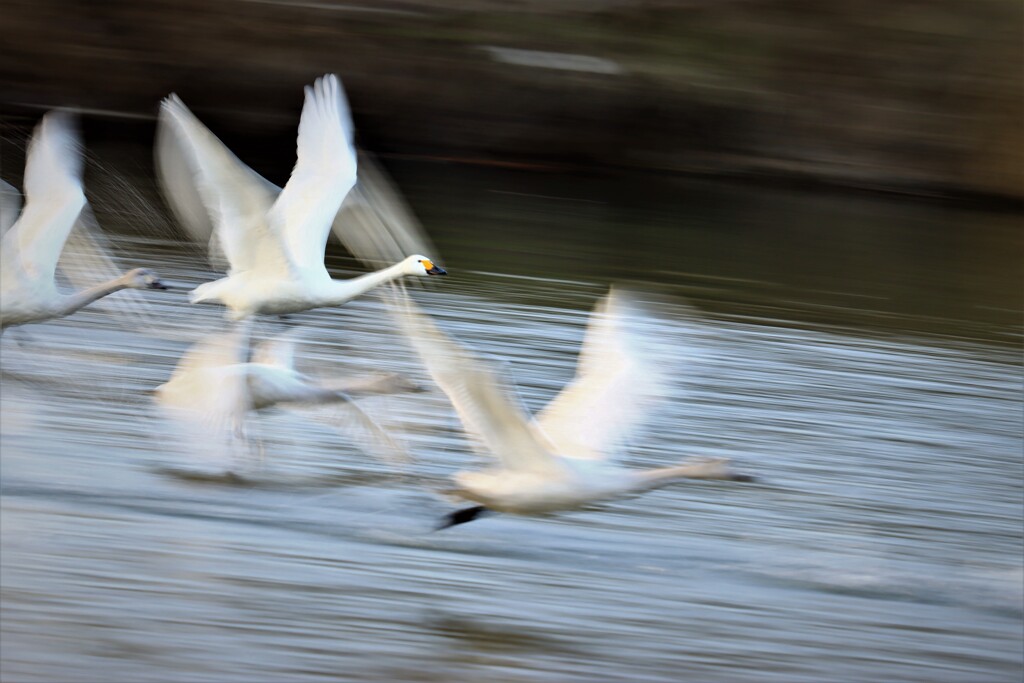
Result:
pixel 911 99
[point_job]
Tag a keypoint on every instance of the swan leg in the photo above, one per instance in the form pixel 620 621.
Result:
pixel 462 516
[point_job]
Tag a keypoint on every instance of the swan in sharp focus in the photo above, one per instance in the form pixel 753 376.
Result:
pixel 561 459
pixel 214 387
pixel 31 247
pixel 274 242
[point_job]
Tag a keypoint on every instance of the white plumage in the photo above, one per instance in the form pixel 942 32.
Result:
pixel 273 240
pixel 32 245
pixel 563 459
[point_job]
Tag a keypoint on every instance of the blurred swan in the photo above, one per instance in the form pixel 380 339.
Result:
pixel 32 245
pixel 213 388
pixel 560 460
pixel 273 239
pixel 270 378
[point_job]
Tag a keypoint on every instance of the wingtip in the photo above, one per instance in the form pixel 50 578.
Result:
pixel 62 123
pixel 173 106
pixel 55 144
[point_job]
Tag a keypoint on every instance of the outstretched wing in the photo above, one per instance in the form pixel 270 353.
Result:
pixel 323 175
pixel 374 224
pixel 209 387
pixel 615 387
pixel 483 402
pixel 192 163
pixel 53 199
pixel 87 259
pixel 215 350
pixel 278 351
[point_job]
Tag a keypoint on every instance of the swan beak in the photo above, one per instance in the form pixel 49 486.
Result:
pixel 436 270
pixel 156 284
pixel 170 285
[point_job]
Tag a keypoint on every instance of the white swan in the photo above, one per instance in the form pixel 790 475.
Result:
pixel 268 380
pixel 214 388
pixel 31 247
pixel 561 459
pixel 273 242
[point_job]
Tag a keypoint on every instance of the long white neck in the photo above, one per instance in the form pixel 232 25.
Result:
pixel 703 469
pixel 78 300
pixel 342 291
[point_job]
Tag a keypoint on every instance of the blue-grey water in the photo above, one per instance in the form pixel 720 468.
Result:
pixel 862 357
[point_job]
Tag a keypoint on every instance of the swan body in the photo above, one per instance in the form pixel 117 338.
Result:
pixel 581 484
pixel 273 240
pixel 562 458
pixel 253 292
pixel 31 247
pixel 213 378
pixel 214 388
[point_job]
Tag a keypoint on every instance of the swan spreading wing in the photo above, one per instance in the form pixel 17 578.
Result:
pixel 372 222
pixel 208 391
pixel 87 258
pixel 615 386
pixel 482 400
pixel 324 173
pixel 192 163
pixel 53 200
pixel 213 388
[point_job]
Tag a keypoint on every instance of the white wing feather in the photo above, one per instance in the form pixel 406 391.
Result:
pixel 374 224
pixel 278 351
pixel 324 173
pixel 193 162
pixel 53 200
pixel 482 401
pixel 215 351
pixel 177 175
pixel 86 260
pixel 209 387
pixel 615 386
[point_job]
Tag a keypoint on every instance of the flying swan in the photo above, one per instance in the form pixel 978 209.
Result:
pixel 562 458
pixel 31 247
pixel 273 240
pixel 214 387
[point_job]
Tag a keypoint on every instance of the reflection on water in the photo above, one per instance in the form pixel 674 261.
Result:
pixel 884 542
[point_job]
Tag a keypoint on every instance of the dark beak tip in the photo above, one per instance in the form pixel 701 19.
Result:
pixel 437 271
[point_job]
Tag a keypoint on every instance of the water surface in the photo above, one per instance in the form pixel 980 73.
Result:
pixel 861 356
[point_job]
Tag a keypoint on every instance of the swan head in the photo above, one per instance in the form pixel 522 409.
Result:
pixel 142 278
pixel 421 265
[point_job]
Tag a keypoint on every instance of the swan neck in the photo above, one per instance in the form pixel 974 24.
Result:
pixel 662 476
pixel 350 289
pixel 78 300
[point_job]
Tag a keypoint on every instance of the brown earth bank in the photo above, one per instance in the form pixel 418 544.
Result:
pixel 919 97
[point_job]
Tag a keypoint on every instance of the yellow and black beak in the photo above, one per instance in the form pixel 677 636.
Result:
pixel 433 269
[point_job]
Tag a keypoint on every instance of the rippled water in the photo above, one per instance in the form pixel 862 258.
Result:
pixel 884 541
